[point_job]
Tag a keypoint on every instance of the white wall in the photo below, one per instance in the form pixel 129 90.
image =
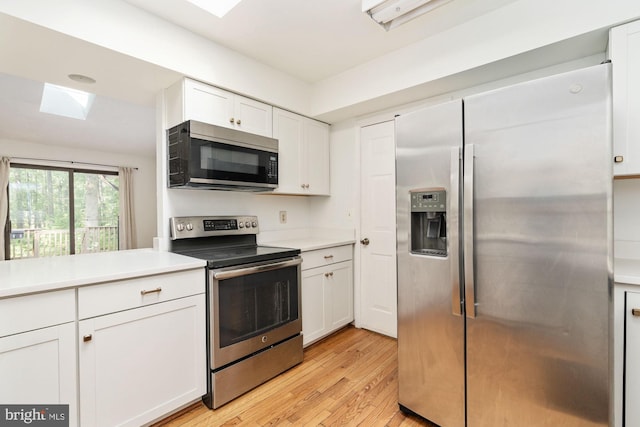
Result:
pixel 458 57
pixel 626 217
pixel 144 178
pixel 342 209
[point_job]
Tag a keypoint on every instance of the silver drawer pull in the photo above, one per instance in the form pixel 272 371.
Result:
pixel 635 311
pixel 328 256
pixel 152 291
pixel 87 338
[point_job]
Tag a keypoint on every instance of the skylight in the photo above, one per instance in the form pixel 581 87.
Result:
pixel 218 8
pixel 66 102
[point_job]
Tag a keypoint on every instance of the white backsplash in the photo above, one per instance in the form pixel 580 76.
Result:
pixel 626 216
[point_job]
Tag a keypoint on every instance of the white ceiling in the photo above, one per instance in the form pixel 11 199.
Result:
pixel 308 39
pixel 311 39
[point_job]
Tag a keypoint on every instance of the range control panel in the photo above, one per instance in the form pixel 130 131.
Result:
pixel 185 227
pixel 428 201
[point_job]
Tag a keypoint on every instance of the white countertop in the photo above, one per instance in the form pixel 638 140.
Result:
pixel 311 243
pixel 307 239
pixel 26 276
pixel 627 271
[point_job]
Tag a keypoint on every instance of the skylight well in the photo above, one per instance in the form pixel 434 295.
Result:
pixel 66 102
pixel 218 8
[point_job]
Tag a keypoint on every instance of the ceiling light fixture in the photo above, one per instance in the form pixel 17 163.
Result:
pixel 66 102
pixel 81 78
pixel 392 13
pixel 218 8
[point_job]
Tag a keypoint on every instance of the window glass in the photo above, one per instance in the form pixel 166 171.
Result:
pixel 42 203
pixel 95 212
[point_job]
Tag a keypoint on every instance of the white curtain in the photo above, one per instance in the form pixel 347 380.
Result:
pixel 4 201
pixel 127 217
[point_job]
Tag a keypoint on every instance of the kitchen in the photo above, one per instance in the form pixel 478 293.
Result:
pixel 462 68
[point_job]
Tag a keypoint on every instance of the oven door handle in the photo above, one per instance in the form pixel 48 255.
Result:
pixel 237 272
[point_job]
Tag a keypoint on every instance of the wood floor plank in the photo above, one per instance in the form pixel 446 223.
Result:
pixel 348 379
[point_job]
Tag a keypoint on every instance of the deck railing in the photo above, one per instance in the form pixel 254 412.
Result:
pixel 31 243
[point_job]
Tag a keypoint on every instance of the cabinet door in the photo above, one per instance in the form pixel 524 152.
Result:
pixel 314 309
pixel 253 116
pixel 624 51
pixel 138 365
pixel 288 129
pixel 632 361
pixel 40 367
pixel 316 158
pixel 340 284
pixel 208 104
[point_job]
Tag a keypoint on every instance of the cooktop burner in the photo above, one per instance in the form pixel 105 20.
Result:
pixel 223 241
pixel 228 256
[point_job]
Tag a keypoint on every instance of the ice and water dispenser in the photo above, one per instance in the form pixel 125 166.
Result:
pixel 429 222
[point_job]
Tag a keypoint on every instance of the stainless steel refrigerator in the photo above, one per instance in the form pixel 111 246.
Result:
pixel 504 230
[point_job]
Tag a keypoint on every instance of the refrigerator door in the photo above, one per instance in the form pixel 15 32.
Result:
pixel 538 346
pixel 430 323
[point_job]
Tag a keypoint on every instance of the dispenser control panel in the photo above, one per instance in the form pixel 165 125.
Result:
pixel 428 201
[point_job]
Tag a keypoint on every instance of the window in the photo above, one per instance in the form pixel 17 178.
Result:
pixel 59 211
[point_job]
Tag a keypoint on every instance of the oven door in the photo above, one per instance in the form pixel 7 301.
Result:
pixel 253 307
pixel 228 164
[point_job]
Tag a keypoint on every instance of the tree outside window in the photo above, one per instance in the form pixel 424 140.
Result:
pixel 55 211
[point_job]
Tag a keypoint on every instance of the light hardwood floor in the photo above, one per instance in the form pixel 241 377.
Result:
pixel 347 379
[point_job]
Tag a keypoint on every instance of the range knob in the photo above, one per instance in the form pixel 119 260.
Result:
pixel 241 224
pixel 189 226
pixel 254 223
pixel 180 227
pixel 247 224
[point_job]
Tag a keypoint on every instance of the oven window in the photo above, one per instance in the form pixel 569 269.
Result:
pixel 221 159
pixel 253 304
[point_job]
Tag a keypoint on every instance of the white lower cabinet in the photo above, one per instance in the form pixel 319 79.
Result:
pixel 38 350
pixel 40 366
pixel 632 360
pixel 140 364
pixel 327 291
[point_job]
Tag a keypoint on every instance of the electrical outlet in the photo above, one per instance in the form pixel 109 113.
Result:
pixel 283 217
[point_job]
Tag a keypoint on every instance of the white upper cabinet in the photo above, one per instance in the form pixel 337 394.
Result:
pixel 192 100
pixel 303 153
pixel 624 52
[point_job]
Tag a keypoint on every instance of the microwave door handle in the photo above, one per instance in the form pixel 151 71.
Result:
pixel 237 272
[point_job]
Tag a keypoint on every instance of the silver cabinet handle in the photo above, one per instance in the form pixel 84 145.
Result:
pixel 635 311
pixel 238 122
pixel 152 291
pixel 87 338
pixel 232 120
pixel 454 231
pixel 328 274
pixel 469 273
pixel 365 241
pixel 618 159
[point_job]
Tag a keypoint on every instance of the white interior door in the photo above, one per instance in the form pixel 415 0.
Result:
pixel 378 229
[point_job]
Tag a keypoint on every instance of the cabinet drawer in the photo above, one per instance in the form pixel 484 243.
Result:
pixel 321 257
pixel 126 294
pixel 29 312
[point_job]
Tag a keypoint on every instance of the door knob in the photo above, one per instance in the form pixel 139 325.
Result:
pixel 365 241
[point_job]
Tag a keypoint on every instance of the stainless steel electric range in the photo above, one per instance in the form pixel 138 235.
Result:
pixel 254 317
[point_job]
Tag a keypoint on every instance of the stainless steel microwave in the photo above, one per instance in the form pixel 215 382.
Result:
pixel 205 156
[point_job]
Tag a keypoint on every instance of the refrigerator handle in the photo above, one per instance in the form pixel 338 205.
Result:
pixel 469 273
pixel 454 231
